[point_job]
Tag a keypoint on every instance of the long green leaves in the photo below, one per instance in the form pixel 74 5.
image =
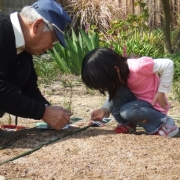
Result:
pixel 59 55
pixel 70 58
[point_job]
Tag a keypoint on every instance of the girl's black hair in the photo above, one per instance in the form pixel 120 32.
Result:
pixel 98 70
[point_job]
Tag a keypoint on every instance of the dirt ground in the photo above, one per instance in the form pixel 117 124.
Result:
pixel 95 153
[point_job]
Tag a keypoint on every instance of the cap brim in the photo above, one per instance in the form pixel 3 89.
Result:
pixel 60 37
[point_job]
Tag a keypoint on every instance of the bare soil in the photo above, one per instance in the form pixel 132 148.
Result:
pixel 96 153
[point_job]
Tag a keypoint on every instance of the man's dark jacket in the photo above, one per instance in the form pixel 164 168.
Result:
pixel 26 101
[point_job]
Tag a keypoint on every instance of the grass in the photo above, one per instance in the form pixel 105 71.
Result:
pixel 46 69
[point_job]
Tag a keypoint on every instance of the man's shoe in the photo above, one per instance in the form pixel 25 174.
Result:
pixel 125 129
pixel 5 134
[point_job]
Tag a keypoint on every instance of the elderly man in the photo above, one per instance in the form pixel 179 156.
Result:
pixel 31 32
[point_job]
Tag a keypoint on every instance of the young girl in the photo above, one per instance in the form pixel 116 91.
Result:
pixel 136 93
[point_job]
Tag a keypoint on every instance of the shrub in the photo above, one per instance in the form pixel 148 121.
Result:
pixel 99 13
pixel 176 60
pixel 141 44
pixel 70 58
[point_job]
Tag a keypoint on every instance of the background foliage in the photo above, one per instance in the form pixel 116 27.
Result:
pixel 70 58
pixel 100 23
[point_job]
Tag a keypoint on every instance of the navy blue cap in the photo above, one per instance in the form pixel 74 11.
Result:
pixel 55 14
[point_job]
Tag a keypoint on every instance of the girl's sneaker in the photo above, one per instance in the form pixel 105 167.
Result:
pixel 167 131
pixel 168 128
pixel 125 129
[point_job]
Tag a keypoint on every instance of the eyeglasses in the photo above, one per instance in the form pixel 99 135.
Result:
pixel 55 39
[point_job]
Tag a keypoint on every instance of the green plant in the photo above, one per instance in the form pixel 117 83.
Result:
pixel 67 83
pixel 45 69
pixel 9 119
pixel 147 43
pixel 50 92
pixel 176 90
pixel 176 60
pixel 70 58
pixel 90 91
pixel 176 80
pixel 134 34
pixel 120 29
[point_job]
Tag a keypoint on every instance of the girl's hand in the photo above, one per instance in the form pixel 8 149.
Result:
pixel 160 98
pixel 99 114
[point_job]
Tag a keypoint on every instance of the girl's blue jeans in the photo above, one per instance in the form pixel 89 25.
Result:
pixel 127 109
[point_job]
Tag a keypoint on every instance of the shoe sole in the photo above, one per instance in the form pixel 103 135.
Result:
pixel 174 132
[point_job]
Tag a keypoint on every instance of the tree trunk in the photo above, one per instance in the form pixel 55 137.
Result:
pixel 166 26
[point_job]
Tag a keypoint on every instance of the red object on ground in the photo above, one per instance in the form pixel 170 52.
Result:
pixel 125 129
pixel 12 127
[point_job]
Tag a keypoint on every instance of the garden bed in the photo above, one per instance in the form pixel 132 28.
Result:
pixel 96 153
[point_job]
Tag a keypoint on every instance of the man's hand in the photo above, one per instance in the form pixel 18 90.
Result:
pixel 68 112
pixel 160 98
pixel 56 117
pixel 99 114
